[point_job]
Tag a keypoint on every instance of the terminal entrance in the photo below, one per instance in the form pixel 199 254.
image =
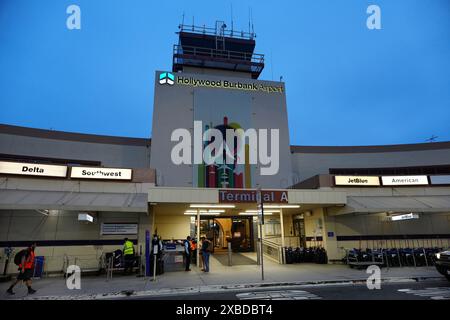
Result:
pixel 235 230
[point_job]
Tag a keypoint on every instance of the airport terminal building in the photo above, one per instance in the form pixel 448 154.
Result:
pixel 78 195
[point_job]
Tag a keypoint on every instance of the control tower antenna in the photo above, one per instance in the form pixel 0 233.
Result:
pixel 249 31
pixel 232 24
pixel 251 19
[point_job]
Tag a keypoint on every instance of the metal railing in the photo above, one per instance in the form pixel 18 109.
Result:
pixel 219 32
pixel 200 52
pixel 289 241
pixel 273 251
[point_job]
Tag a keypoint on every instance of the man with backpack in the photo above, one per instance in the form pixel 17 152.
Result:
pixel 24 259
pixel 206 252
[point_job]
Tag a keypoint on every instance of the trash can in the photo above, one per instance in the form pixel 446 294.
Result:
pixel 38 266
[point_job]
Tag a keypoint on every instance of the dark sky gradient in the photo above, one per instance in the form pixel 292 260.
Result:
pixel 346 85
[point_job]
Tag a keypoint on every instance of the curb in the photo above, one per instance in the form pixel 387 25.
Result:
pixel 226 288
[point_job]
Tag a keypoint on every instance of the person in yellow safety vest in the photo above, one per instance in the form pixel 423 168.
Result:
pixel 128 255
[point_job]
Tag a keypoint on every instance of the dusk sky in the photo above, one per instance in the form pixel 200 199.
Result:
pixel 345 84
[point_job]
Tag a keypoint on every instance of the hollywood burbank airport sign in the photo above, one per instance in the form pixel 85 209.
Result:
pixel 251 196
pixel 167 78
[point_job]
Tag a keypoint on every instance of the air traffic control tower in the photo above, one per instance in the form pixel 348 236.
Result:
pixel 215 80
pixel 217 49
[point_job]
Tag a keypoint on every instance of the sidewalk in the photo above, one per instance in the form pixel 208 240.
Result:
pixel 219 278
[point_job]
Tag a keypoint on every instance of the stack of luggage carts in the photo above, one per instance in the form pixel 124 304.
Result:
pixel 393 257
pixel 309 255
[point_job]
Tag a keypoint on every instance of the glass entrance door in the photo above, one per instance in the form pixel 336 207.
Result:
pixel 222 230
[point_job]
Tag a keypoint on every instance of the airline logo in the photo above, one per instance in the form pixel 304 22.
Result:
pixel 166 78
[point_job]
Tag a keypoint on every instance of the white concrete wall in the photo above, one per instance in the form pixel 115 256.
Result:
pixel 32 226
pixel 377 224
pixel 173 226
pixel 306 165
pixel 111 155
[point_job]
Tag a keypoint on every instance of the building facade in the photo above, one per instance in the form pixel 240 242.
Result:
pixel 335 197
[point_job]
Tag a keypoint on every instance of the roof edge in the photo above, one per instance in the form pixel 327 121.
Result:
pixel 72 136
pixel 372 148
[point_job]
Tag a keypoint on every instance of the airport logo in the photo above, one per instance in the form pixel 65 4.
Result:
pixel 166 78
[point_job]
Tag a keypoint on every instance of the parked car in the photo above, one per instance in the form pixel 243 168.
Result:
pixel 442 263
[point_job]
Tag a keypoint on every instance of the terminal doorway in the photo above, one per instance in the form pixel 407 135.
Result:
pixel 222 230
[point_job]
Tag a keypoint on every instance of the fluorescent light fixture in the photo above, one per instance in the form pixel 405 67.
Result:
pixel 265 211
pixel 212 206
pixel 407 216
pixel 85 217
pixel 254 213
pixel 281 206
pixel 203 213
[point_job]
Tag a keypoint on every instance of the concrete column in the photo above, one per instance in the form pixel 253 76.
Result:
pixel 282 228
pixel 198 238
pixel 330 237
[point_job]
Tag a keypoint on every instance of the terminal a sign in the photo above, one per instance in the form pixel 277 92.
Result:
pixel 32 169
pixel 404 180
pixel 251 196
pixel 100 173
pixel 356 181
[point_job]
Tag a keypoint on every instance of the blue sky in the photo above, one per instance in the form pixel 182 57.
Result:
pixel 346 85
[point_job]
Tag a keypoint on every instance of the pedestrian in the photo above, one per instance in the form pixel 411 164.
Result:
pixel 187 253
pixel 194 251
pixel 206 252
pixel 128 256
pixel 25 261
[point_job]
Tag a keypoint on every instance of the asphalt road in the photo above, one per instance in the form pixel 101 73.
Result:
pixel 423 290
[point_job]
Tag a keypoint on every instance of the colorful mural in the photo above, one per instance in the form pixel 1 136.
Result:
pixel 237 116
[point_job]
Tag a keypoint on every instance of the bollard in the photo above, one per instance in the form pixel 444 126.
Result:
pixel 229 254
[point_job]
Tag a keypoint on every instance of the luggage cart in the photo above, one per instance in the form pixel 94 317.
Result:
pixel 361 260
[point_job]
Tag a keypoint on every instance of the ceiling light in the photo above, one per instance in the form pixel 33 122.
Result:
pixel 265 211
pixel 203 213
pixel 212 206
pixel 282 206
pixel 254 213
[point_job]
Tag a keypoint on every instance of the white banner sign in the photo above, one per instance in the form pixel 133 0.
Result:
pixel 32 169
pixel 119 228
pixel 407 216
pixel 100 173
pixel 404 180
pixel 356 181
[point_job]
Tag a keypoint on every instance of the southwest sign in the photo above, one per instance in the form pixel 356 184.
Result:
pixel 100 173
pixel 250 196
pixel 32 169
pixel 356 181
pixel 404 180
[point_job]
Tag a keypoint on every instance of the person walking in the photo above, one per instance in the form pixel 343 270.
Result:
pixel 187 253
pixel 206 252
pixel 128 256
pixel 25 261
pixel 194 251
